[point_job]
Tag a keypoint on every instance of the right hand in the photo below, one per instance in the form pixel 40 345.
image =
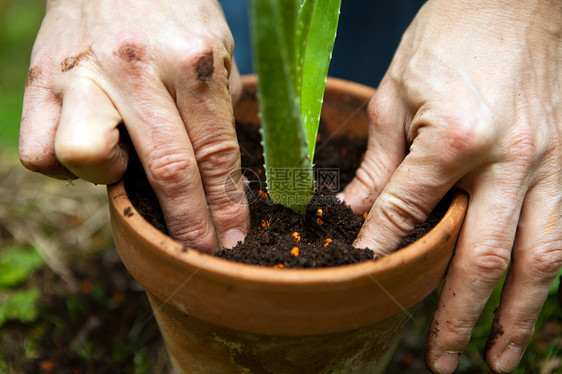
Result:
pixel 164 69
pixel 472 99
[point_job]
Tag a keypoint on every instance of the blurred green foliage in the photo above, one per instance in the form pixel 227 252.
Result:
pixel 16 265
pixel 19 23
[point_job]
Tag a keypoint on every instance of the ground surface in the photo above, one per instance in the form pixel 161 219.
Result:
pixel 67 305
pixel 92 317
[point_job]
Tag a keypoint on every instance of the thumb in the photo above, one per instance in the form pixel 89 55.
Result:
pixel 88 141
pixel 385 150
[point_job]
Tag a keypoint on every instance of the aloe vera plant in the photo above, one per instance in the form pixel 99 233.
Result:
pixel 292 45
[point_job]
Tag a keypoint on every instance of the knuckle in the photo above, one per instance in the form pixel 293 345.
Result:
pixel 450 334
pixel 31 160
pixel 131 51
pixel 525 149
pixel 70 62
pixel 368 173
pixel 378 111
pixel 197 233
pixel 488 264
pixel 463 137
pixel 553 156
pixel 218 156
pixel 203 59
pixel 35 156
pixel 522 329
pixel 44 162
pixel 364 178
pixel 228 213
pixel 402 211
pixel 546 261
pixel 35 75
pixel 459 330
pixel 170 169
pixel 410 206
pixel 130 55
pixel 235 85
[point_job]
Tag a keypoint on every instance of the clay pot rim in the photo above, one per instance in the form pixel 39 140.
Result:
pixel 164 247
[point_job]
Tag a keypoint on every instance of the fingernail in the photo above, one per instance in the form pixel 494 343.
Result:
pixel 231 238
pixel 447 362
pixel 341 197
pixel 509 359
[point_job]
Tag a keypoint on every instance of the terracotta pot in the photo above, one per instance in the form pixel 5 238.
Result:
pixel 218 316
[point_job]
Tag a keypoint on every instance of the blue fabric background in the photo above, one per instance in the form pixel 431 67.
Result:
pixel 368 33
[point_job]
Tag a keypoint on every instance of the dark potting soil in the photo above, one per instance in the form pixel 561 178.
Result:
pixel 278 236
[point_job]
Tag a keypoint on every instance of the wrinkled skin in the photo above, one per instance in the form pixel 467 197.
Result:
pixel 473 99
pixel 162 68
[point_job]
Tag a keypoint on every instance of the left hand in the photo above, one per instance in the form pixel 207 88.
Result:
pixel 473 98
pixel 165 70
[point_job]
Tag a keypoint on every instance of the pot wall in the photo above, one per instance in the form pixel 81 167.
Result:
pixel 232 313
pixel 199 347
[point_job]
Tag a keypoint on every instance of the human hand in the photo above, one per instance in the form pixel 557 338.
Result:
pixel 165 70
pixel 472 98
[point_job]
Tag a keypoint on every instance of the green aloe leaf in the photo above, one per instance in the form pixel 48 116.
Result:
pixel 283 136
pixel 316 33
pixel 292 45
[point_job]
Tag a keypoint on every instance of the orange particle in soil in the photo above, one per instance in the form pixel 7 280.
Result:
pixel 279 266
pixel 295 251
pixel 264 223
pixel 118 295
pixel 87 287
pixel 328 241
pixel 48 365
pixel 319 212
pixel 296 236
pixel 319 221
pixel 365 215
pixel 262 193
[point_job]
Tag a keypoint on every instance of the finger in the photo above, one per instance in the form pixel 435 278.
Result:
pixel 235 84
pixel 444 149
pixel 40 116
pixel 88 140
pixel 536 259
pixel 481 258
pixel 385 150
pixel 206 109
pixel 160 139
